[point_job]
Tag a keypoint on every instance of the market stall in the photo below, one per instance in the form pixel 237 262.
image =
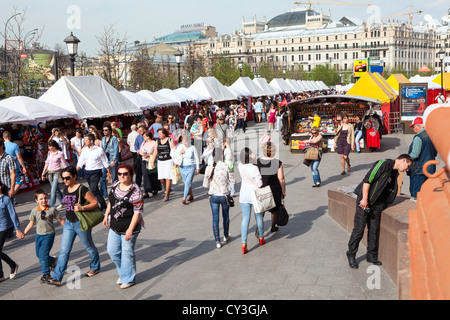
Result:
pixel 329 109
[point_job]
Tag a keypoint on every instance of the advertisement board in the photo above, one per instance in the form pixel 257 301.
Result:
pixel 359 67
pixel 413 100
pixel 39 65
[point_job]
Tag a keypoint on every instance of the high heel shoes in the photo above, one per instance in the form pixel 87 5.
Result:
pixel 262 241
pixel 244 248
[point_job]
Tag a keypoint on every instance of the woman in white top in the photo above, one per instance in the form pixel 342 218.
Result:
pixel 189 163
pixel 251 180
pixel 218 178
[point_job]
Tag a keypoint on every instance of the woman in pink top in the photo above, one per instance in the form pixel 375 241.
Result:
pixel 53 165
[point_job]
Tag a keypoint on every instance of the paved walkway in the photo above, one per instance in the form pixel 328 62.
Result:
pixel 176 254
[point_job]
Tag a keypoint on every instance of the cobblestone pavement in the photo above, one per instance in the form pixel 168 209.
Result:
pixel 177 258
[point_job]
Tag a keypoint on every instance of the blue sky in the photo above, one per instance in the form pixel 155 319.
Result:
pixel 143 20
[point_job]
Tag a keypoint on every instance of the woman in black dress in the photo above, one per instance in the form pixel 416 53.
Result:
pixel 272 175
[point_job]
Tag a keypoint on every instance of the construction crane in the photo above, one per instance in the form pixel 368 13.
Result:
pixel 410 13
pixel 309 3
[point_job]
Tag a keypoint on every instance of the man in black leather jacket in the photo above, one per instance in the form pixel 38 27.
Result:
pixel 377 190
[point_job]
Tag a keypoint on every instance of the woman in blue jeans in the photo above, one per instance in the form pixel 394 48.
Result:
pixel 189 164
pixel 74 194
pixel 124 218
pixel 251 180
pixel 54 163
pixel 218 178
pixel 316 140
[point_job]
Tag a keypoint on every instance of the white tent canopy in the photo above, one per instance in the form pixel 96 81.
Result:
pixel 248 85
pixel 11 116
pixel 159 99
pixel 238 92
pixel 173 95
pixel 140 101
pixel 212 88
pixel 192 94
pixel 295 85
pixel 280 84
pixel 265 87
pixel 88 97
pixel 40 111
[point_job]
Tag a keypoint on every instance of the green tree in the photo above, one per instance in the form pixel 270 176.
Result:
pixel 224 69
pixel 325 73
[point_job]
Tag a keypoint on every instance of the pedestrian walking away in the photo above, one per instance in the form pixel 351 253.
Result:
pixel 217 179
pixel 42 217
pixel 150 177
pixel 8 221
pixel 75 196
pixel 162 153
pixel 272 174
pixel 124 218
pixel 374 194
pixel 251 180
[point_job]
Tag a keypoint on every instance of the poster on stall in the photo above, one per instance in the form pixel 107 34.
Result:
pixel 413 100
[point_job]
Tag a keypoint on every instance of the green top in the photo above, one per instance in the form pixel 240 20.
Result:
pixel 46 226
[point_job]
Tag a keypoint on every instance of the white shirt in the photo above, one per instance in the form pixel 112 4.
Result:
pixel 77 143
pixel 131 138
pixel 251 180
pixel 94 158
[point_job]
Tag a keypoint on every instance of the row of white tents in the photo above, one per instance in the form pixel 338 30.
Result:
pixel 93 97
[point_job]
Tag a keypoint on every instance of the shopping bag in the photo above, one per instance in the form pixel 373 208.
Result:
pixel 312 153
pixel 176 175
pixel 262 199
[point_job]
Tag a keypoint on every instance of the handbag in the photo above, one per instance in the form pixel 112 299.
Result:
pixel 88 219
pixel 230 200
pixel 176 175
pixel 262 198
pixel 282 217
pixel 312 153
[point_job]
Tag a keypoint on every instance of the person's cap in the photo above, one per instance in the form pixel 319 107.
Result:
pixel 417 120
pixel 315 112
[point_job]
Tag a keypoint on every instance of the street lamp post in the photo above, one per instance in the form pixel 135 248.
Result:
pixel 178 56
pixel 284 73
pixel 240 65
pixel 72 48
pixel 441 57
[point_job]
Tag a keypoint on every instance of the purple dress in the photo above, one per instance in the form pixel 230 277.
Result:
pixel 343 147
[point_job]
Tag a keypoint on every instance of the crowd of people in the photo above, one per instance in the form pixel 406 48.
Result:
pixel 163 152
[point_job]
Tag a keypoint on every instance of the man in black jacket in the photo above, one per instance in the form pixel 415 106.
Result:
pixel 377 190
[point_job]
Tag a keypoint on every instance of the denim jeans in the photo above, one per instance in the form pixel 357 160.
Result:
pixel 55 191
pixel 246 212
pixel 122 254
pixel 315 171
pixel 358 135
pixel 70 231
pixel 187 173
pixel 215 203
pixel 43 245
pixel 103 188
pixel 80 173
pixel 415 183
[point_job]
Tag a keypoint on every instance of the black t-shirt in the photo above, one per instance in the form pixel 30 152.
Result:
pixel 71 198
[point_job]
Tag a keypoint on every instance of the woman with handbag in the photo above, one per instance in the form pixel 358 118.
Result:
pixel 189 164
pixel 344 142
pixel 316 141
pixel 272 174
pixel 165 163
pixel 150 177
pixel 251 180
pixel 53 165
pixel 73 195
pixel 124 218
pixel 218 178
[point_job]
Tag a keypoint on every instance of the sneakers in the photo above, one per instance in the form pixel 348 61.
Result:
pixel 225 239
pixel 218 245
pixel 14 272
pixel 92 273
pixel 60 207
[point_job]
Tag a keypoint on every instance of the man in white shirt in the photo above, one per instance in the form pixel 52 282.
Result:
pixel 131 138
pixel 94 158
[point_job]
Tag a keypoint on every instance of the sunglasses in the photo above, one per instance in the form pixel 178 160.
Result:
pixel 125 174
pixel 67 178
pixel 43 215
pixel 105 129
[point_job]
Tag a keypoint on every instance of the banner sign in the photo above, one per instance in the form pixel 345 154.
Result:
pixel 413 99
